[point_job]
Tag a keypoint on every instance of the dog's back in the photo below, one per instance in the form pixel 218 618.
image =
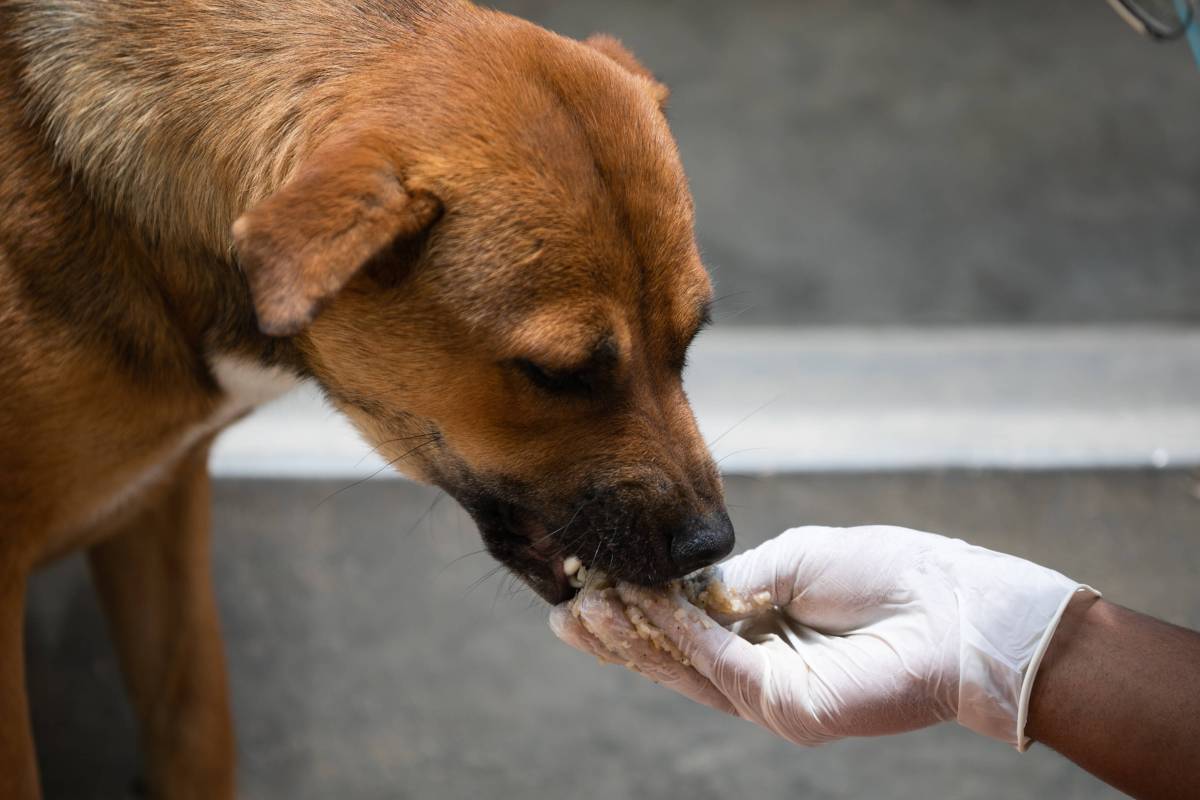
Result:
pixel 144 101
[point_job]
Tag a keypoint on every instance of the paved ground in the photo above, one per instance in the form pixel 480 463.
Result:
pixel 926 161
pixel 366 664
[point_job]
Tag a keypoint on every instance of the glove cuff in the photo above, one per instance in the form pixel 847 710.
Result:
pixel 1023 741
pixel 1004 632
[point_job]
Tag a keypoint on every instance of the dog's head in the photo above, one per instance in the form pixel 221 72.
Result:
pixel 493 272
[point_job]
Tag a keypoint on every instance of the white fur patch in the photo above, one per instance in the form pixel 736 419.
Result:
pixel 246 385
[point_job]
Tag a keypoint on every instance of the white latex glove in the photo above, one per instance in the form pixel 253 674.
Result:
pixel 838 632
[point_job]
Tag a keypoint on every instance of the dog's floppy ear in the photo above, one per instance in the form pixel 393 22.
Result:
pixel 302 244
pixel 612 47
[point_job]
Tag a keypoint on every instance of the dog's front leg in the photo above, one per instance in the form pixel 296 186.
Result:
pixel 18 765
pixel 155 582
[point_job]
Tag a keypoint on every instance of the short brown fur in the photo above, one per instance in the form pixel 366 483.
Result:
pixel 473 234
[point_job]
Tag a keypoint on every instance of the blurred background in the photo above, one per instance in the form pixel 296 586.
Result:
pixel 956 249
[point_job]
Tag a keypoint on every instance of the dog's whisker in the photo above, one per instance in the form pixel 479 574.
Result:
pixel 739 312
pixel 738 452
pixel 453 561
pixel 544 537
pixel 569 547
pixel 428 511
pixel 595 555
pixel 479 581
pixel 376 448
pixel 741 421
pixel 728 296
pixel 361 481
pixel 510 587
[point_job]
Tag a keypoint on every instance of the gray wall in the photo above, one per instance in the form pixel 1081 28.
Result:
pixel 909 161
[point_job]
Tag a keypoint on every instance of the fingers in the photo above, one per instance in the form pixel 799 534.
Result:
pixel 803 685
pixel 599 624
pixel 781 567
pixel 571 631
pixel 767 683
pixel 832 579
pixel 765 577
pixel 769 576
pixel 730 663
pixel 726 604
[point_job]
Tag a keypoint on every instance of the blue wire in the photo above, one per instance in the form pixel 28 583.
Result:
pixel 1184 8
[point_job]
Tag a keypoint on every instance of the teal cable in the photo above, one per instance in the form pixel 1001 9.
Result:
pixel 1184 8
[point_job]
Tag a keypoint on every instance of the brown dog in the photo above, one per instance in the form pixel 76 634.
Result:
pixel 473 234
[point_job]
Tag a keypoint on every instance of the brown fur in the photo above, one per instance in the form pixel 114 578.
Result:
pixel 473 234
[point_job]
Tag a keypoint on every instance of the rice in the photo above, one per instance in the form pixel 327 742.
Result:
pixel 706 590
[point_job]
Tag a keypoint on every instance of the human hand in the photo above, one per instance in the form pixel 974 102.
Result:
pixel 841 632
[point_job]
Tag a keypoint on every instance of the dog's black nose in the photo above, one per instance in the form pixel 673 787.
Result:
pixel 703 541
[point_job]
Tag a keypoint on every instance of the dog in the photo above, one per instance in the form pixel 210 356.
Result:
pixel 473 234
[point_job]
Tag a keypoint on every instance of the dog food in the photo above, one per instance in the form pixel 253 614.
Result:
pixel 705 589
pixel 702 588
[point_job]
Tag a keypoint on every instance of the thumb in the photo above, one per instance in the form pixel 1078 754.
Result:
pixel 834 580
pixel 766 576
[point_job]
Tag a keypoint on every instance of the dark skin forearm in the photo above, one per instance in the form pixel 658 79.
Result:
pixel 1118 693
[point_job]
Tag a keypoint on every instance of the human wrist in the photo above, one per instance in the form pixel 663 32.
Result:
pixel 1009 612
pixel 1080 628
pixel 1073 622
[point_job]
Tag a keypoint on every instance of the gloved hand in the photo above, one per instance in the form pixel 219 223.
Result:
pixel 842 632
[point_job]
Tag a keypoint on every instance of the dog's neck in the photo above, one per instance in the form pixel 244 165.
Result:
pixel 171 91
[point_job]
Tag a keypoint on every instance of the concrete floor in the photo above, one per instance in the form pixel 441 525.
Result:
pixel 367 663
pixel 915 161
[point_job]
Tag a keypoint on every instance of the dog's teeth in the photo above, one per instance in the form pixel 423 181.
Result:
pixel 571 565
pixel 577 576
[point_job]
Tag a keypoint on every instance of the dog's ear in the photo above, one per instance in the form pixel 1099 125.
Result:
pixel 299 246
pixel 612 47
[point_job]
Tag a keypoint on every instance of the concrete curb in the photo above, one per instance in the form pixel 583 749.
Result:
pixel 788 399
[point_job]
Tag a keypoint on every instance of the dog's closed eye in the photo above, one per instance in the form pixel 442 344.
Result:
pixel 560 382
pixel 579 380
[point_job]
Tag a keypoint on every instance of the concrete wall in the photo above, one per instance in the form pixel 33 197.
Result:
pixel 911 161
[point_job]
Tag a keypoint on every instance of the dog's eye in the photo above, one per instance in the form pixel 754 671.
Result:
pixel 679 363
pixel 555 381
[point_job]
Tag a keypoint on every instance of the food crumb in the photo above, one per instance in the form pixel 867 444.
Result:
pixel 650 633
pixel 706 590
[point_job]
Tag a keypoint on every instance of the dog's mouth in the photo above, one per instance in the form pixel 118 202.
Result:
pixel 558 545
pixel 531 548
